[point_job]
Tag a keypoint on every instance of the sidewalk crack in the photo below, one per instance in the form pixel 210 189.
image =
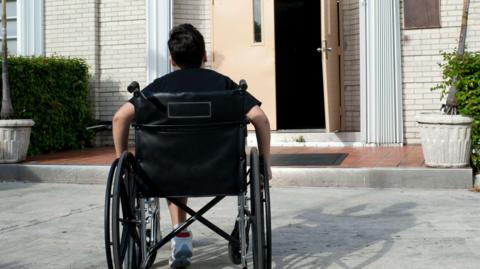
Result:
pixel 34 222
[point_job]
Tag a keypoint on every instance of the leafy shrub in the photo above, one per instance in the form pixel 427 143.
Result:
pixel 464 74
pixel 53 92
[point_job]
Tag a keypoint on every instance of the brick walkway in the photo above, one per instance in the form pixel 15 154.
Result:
pixel 407 156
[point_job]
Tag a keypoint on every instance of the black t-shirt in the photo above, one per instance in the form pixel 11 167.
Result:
pixel 196 80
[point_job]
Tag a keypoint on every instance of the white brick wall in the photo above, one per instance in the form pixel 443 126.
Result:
pixel 421 50
pixel 199 14
pixel 122 51
pixel 351 57
pixel 110 36
pixel 122 55
pixel 420 57
pixel 70 29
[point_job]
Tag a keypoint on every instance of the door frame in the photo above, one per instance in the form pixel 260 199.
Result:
pixel 333 111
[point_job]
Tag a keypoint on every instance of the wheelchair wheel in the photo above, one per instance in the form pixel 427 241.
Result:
pixel 268 224
pixel 107 214
pixel 126 242
pixel 257 213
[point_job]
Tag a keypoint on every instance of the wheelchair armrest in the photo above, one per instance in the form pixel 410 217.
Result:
pixel 100 125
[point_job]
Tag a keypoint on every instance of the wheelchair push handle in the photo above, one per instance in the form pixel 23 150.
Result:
pixel 100 125
pixel 133 87
pixel 243 85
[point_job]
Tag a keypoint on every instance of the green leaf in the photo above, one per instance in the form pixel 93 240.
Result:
pixel 52 91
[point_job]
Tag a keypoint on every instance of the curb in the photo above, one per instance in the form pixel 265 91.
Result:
pixel 417 178
pixel 421 178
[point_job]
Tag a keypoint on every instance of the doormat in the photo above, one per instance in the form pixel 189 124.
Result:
pixel 317 159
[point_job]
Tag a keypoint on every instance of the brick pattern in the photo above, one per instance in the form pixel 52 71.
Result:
pixel 421 50
pixel 111 36
pixel 351 60
pixel 122 55
pixel 122 51
pixel 420 57
pixel 358 157
pixel 70 29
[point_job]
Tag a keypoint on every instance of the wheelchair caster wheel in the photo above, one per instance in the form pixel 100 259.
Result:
pixel 234 251
pixel 234 254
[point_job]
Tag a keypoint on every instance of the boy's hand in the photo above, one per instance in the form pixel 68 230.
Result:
pixel 265 169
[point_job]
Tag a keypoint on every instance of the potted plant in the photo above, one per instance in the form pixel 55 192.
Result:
pixel 446 135
pixel 14 133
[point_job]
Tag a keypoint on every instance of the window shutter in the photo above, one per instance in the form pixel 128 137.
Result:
pixel 422 14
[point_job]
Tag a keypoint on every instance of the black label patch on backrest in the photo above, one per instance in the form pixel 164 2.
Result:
pixel 185 110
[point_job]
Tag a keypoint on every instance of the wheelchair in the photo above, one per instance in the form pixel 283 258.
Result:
pixel 189 144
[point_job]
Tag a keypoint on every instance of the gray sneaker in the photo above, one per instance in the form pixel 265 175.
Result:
pixel 182 250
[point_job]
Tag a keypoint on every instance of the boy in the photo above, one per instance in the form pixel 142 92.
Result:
pixel 188 55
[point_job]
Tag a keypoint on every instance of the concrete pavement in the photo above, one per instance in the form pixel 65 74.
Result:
pixel 61 226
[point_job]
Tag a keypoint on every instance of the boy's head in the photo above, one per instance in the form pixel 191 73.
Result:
pixel 187 46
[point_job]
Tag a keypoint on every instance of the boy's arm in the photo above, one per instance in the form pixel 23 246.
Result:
pixel 120 126
pixel 262 129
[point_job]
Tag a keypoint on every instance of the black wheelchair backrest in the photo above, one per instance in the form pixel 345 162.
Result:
pixel 190 143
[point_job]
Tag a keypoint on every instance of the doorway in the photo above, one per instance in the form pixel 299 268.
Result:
pixel 299 79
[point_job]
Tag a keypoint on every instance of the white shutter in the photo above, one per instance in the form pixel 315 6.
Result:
pixel 30 27
pixel 158 27
pixel 380 72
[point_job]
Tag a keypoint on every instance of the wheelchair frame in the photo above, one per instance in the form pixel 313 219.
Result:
pixel 136 242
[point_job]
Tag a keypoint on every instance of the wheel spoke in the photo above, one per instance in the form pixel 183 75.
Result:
pixel 125 247
pixel 124 242
pixel 126 209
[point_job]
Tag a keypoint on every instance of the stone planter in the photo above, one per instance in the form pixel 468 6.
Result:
pixel 445 139
pixel 14 140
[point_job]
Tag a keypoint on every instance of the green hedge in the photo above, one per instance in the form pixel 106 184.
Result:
pixel 467 71
pixel 53 92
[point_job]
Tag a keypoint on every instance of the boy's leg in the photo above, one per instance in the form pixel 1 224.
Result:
pixel 182 243
pixel 177 215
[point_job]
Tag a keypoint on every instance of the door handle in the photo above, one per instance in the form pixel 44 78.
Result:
pixel 324 49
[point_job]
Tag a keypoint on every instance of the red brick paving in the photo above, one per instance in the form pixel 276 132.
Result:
pixel 406 156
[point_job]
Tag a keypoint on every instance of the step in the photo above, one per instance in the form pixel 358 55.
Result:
pixel 374 177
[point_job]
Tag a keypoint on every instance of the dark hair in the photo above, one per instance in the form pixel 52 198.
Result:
pixel 187 46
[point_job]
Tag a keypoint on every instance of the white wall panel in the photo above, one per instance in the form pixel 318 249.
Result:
pixel 30 27
pixel 159 21
pixel 380 75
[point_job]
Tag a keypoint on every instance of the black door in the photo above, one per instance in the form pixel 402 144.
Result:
pixel 299 82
